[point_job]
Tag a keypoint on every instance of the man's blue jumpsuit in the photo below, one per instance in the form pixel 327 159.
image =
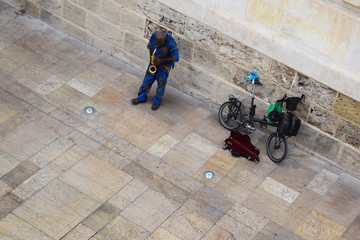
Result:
pixel 168 50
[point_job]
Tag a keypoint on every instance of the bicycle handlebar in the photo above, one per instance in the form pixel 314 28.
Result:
pixel 282 99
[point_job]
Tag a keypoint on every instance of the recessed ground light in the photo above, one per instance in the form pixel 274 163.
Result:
pixel 209 175
pixel 89 110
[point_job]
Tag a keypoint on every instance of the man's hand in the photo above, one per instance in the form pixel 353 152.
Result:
pixel 158 61
pixel 161 61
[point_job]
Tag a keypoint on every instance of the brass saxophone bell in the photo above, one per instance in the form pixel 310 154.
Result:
pixel 152 68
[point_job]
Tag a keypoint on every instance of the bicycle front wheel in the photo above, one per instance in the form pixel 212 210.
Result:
pixel 276 147
pixel 230 115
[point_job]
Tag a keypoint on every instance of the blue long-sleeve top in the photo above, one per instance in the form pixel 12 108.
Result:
pixel 169 49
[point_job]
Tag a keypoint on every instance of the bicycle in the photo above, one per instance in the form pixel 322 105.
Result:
pixel 232 116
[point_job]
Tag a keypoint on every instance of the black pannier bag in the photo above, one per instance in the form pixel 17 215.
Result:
pixel 295 126
pixel 292 102
pixel 285 124
pixel 289 125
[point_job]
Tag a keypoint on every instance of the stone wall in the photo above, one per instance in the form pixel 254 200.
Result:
pixel 215 58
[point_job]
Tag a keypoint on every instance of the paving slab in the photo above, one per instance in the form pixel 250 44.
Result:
pixel 7 163
pixel 80 232
pixel 13 227
pixel 150 210
pixel 161 233
pixel 6 112
pixel 101 216
pixel 187 224
pixel 8 202
pixel 19 174
pixel 30 139
pixel 316 226
pixel 34 183
pixel 56 209
pixel 121 228
pixel 274 231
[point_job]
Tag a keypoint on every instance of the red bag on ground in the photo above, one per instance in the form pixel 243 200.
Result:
pixel 240 146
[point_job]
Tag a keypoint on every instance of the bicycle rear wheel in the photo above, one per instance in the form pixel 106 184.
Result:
pixel 276 147
pixel 230 115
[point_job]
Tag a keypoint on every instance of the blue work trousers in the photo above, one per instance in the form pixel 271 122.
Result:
pixel 161 76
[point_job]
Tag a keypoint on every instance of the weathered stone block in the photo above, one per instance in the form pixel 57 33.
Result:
pixel 105 29
pixel 261 108
pixel 136 46
pixel 74 14
pixel 281 74
pixel 91 5
pixel 317 142
pixel 260 63
pixel 149 8
pixel 315 91
pixel 18 4
pixel 196 82
pixel 54 6
pixel 52 19
pixel 222 90
pixel 348 133
pixel 78 33
pixel 213 63
pixel 111 11
pixel 266 91
pixel 347 108
pixel 240 75
pixel 322 119
pixel 236 51
pixel 172 19
pixel 132 22
pixel 151 27
pixel 202 34
pixel 185 47
pixel 349 159
pixel 128 57
pixel 100 43
pixel 129 4
pixel 175 82
pixel 32 8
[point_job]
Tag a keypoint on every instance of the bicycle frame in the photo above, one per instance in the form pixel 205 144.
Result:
pixel 232 115
pixel 252 117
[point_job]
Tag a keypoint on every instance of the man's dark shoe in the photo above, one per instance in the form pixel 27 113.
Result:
pixel 155 106
pixel 136 101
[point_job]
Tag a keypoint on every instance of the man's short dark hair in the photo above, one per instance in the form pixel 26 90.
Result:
pixel 160 34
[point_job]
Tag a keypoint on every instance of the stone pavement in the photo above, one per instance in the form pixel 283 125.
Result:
pixel 126 172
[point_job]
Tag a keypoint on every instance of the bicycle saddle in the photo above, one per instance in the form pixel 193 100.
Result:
pixel 257 82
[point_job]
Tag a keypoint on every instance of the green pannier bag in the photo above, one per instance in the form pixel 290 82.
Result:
pixel 274 112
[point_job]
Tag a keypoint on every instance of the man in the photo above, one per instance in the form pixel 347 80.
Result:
pixel 166 54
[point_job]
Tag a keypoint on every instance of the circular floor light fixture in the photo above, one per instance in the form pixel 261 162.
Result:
pixel 209 175
pixel 89 110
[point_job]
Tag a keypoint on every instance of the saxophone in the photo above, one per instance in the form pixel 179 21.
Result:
pixel 152 68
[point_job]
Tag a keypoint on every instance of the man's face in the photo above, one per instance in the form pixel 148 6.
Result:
pixel 160 39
